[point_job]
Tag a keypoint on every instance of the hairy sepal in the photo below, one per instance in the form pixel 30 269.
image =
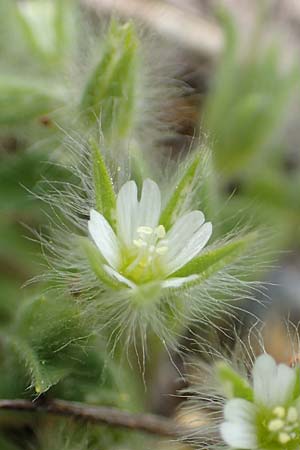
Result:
pixel 233 384
pixel 104 190
pixel 181 191
pixel 96 263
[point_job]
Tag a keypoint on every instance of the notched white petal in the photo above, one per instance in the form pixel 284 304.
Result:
pixel 239 435
pixel 104 238
pixel 127 212
pixel 273 384
pixel 239 410
pixel 186 239
pixel 150 205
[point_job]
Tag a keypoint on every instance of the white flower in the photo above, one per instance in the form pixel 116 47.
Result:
pixel 272 419
pixel 141 250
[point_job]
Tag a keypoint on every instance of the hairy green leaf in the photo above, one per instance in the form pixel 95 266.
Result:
pixel 47 335
pixel 43 376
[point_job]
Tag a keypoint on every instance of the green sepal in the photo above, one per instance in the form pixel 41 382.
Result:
pixel 233 384
pixel 104 190
pixel 96 262
pixel 214 260
pixel 110 93
pixel 177 199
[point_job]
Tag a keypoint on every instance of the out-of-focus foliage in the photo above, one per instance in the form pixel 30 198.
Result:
pixel 244 118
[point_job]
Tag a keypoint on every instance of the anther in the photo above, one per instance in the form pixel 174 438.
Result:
pixel 139 243
pixel 292 415
pixel 279 411
pixel 284 438
pixel 161 250
pixel 145 230
pixel 275 424
pixel 160 231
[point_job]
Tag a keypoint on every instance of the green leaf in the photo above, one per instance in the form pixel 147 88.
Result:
pixel 47 335
pixel 42 375
pixel 248 100
pixel 212 261
pixel 233 384
pixel 183 188
pixel 110 93
pixel 104 189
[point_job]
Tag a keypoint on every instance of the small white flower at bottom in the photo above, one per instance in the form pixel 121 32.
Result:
pixel 272 419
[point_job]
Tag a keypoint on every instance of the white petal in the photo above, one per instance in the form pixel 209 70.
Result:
pixel 239 435
pixel 186 239
pixel 150 205
pixel 127 211
pixel 116 275
pixel 284 384
pixel 104 237
pixel 273 385
pixel 240 410
pixel 177 282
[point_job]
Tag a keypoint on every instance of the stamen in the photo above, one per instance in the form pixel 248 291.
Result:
pixel 275 424
pixel 292 415
pixel 161 250
pixel 139 243
pixel 284 438
pixel 160 231
pixel 145 230
pixel 279 411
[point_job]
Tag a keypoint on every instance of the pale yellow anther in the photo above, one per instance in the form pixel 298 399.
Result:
pixel 275 425
pixel 161 250
pixel 145 230
pixel 139 243
pixel 292 414
pixel 160 231
pixel 279 411
pixel 284 438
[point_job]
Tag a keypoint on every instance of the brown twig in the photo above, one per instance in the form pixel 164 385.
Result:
pixel 148 423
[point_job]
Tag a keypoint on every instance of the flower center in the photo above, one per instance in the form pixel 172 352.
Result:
pixel 284 424
pixel 145 260
pixel 151 241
